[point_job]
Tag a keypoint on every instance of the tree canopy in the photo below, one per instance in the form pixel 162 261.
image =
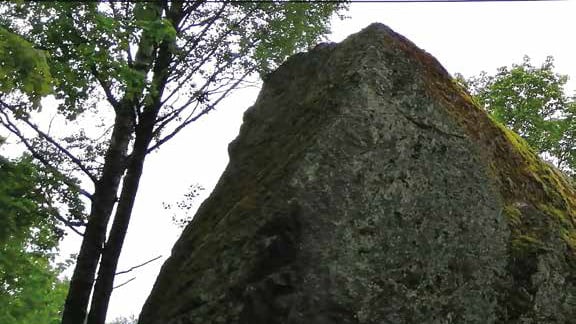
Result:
pixel 531 100
pixel 22 67
pixel 29 234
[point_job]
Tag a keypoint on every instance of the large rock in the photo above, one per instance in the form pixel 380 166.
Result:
pixel 366 187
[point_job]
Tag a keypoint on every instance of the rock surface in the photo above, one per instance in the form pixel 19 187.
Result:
pixel 366 187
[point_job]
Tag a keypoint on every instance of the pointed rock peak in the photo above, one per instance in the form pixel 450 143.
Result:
pixel 366 186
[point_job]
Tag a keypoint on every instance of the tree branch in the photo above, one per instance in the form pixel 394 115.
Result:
pixel 195 40
pixel 14 130
pixel 209 80
pixel 50 140
pixel 190 119
pixel 138 266
pixel 188 11
pixel 165 120
pixel 124 283
pixel 71 225
pixel 107 90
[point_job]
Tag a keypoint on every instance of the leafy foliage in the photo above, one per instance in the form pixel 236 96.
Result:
pixel 23 68
pixel 531 101
pixel 25 217
pixel 215 44
pixel 30 291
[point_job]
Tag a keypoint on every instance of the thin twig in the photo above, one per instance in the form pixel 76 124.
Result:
pixel 165 120
pixel 190 119
pixel 125 283
pixel 50 140
pixel 14 130
pixel 138 266
pixel 70 225
pixel 210 55
pixel 105 87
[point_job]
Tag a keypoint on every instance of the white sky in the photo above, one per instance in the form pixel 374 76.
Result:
pixel 464 37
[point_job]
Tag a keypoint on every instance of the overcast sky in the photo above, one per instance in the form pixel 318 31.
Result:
pixel 464 37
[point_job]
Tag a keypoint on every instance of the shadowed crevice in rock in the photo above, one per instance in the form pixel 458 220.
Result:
pixel 366 187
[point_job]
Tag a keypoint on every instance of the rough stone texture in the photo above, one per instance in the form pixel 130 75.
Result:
pixel 366 187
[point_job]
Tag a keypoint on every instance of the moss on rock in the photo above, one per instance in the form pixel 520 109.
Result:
pixel 367 187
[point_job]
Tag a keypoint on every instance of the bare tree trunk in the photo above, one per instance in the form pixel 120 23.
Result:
pixel 111 253
pixel 102 205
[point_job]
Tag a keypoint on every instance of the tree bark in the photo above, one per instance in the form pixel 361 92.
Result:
pixel 106 189
pixel 111 253
pixel 144 133
pixel 102 205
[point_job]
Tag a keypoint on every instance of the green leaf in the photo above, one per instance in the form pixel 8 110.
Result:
pixel 31 291
pixel 23 67
pixel 531 101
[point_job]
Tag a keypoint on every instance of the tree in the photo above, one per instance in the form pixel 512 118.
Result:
pixel 148 69
pixel 30 291
pixel 125 320
pixel 532 102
